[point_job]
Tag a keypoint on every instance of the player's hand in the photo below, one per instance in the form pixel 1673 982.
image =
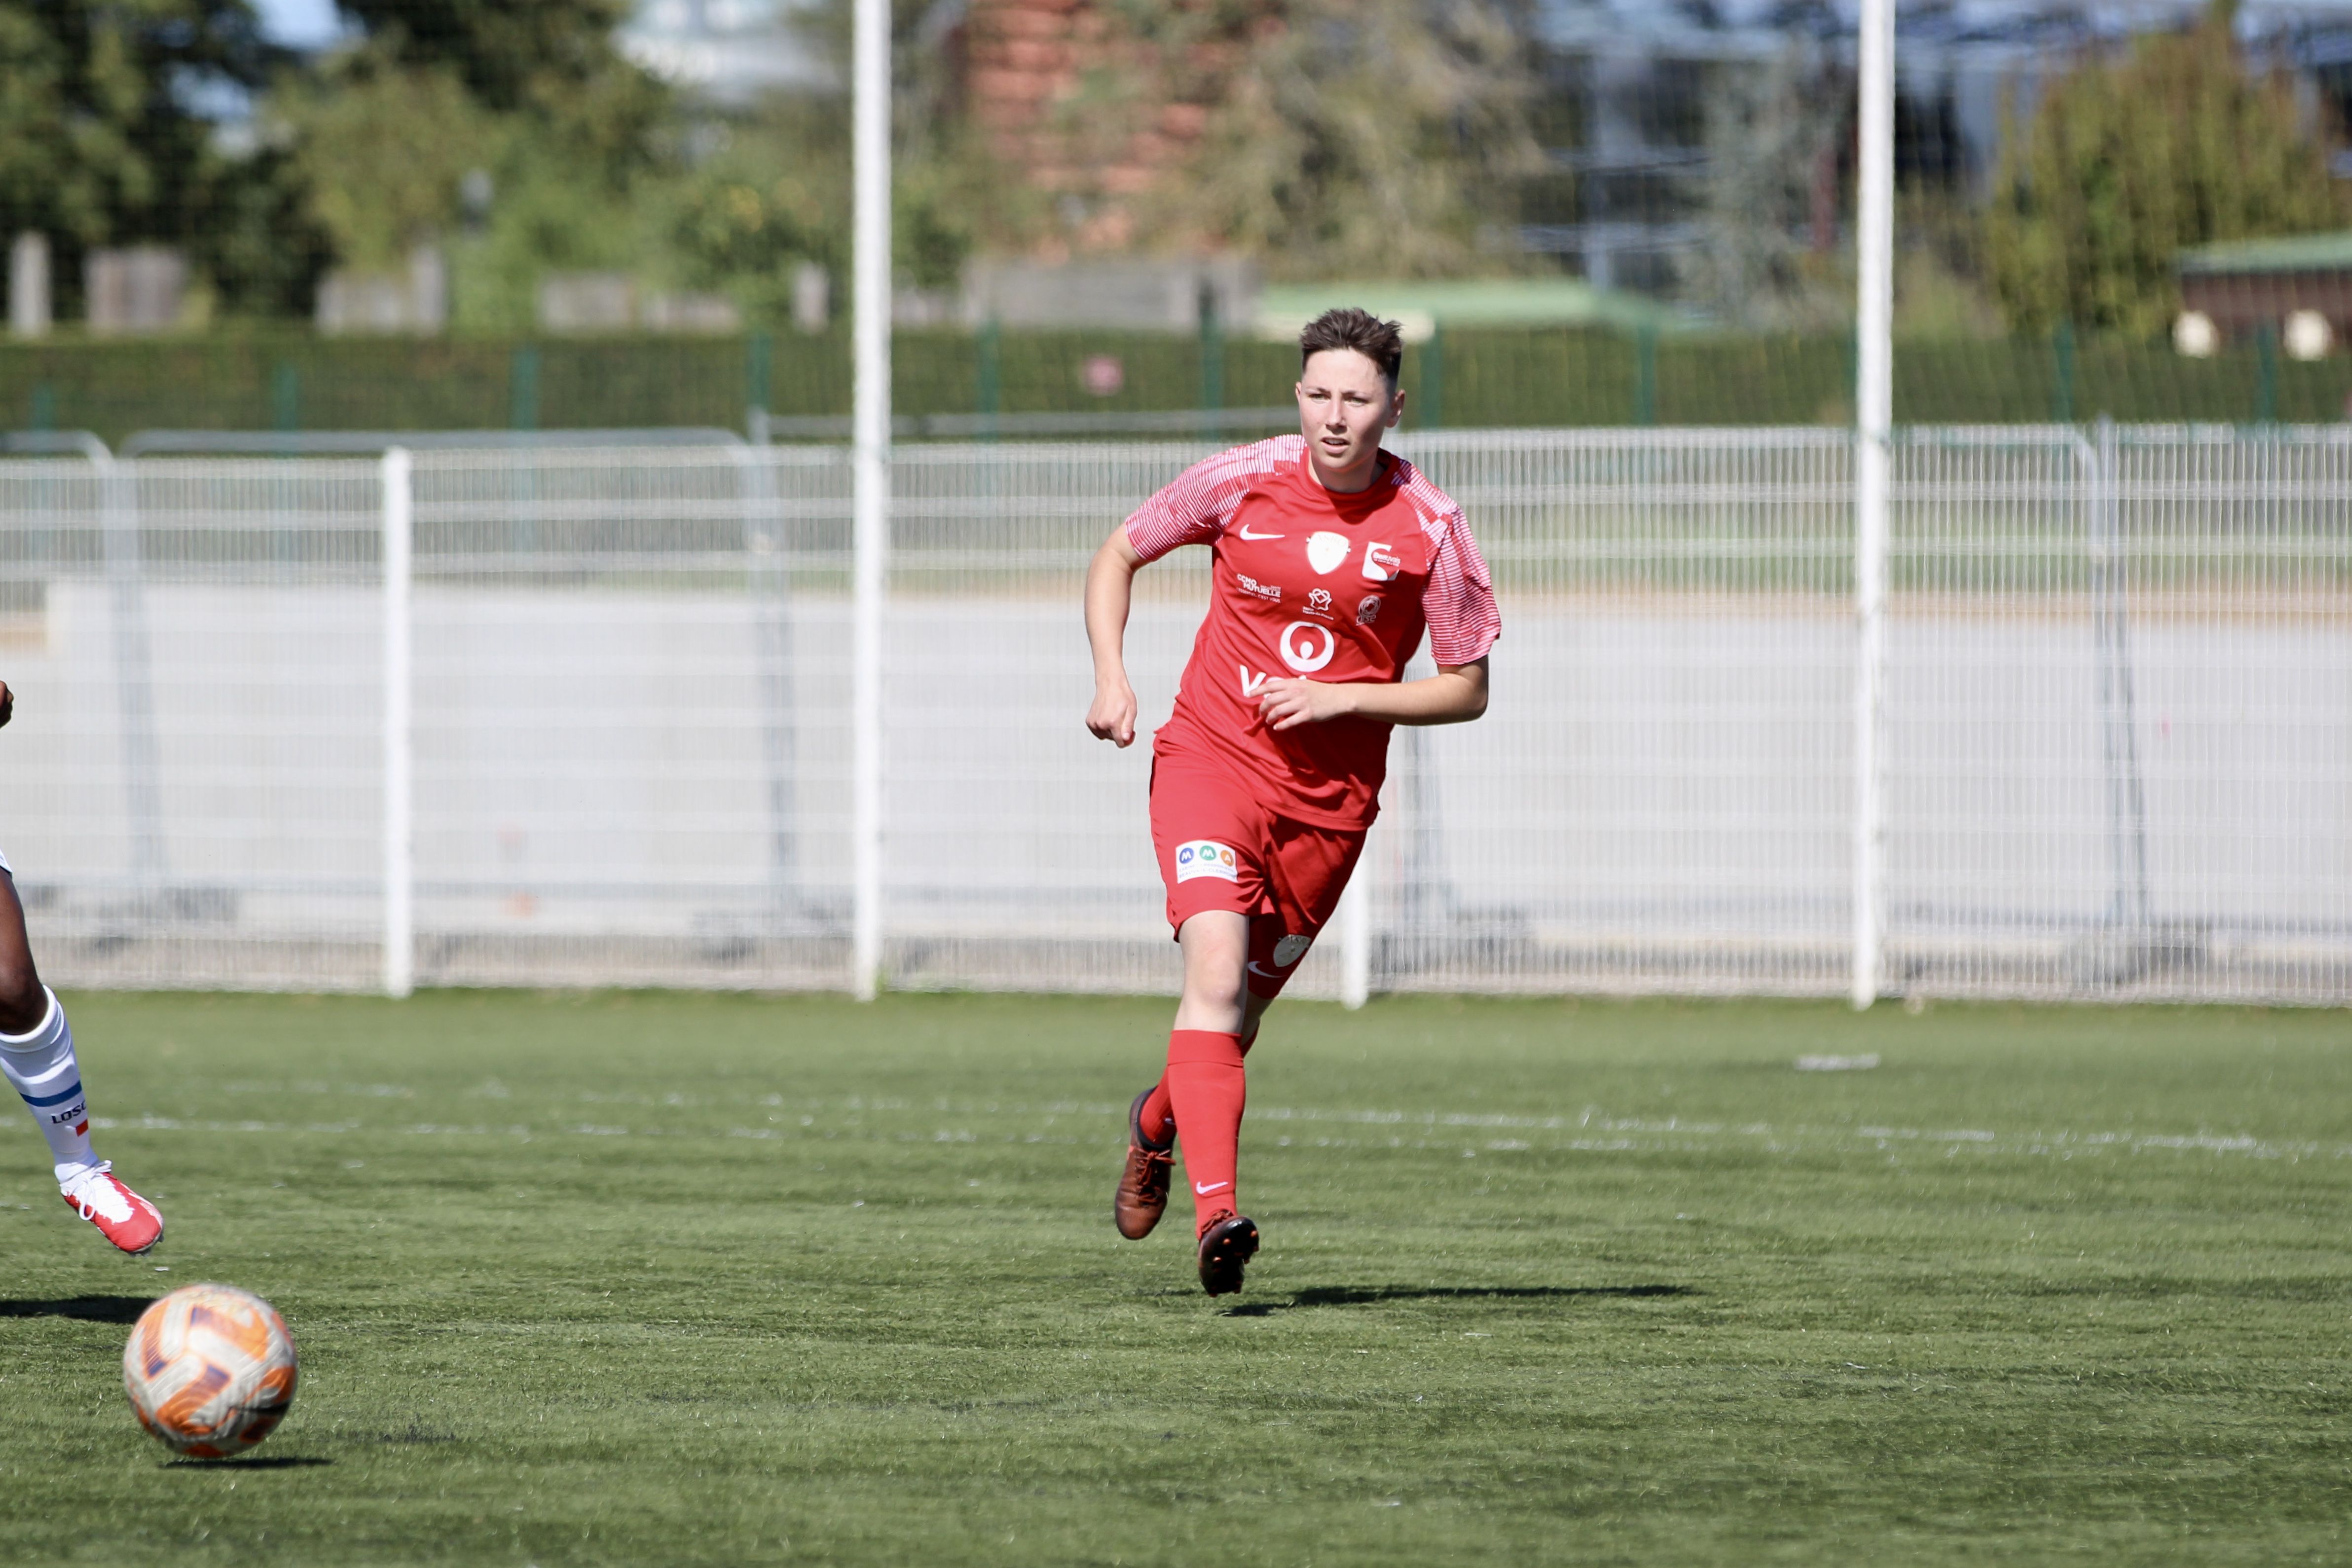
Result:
pixel 7 703
pixel 1112 716
pixel 1286 704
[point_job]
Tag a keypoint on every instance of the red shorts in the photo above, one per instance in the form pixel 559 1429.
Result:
pixel 1219 849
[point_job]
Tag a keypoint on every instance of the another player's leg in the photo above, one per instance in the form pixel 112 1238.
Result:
pixel 36 1053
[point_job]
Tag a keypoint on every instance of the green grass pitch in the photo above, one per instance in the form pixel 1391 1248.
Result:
pixel 641 1278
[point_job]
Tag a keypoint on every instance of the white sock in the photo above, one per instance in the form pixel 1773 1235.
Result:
pixel 41 1066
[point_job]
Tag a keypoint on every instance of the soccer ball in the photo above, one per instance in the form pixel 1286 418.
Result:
pixel 210 1370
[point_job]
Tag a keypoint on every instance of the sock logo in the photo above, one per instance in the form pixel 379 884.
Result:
pixel 1212 1186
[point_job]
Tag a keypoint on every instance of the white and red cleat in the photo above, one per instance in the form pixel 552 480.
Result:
pixel 122 1215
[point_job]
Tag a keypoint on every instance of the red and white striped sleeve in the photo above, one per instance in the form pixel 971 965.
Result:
pixel 1459 601
pixel 1193 507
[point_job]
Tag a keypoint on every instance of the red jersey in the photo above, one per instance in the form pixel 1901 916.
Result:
pixel 1309 582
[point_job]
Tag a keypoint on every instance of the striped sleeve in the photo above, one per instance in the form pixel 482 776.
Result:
pixel 1193 508
pixel 1459 602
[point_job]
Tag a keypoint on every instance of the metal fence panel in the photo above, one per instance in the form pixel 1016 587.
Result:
pixel 2117 760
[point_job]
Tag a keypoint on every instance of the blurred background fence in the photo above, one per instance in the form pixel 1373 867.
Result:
pixel 2118 719
pixel 1462 378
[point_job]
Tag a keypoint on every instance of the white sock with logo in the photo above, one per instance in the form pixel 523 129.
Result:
pixel 42 1069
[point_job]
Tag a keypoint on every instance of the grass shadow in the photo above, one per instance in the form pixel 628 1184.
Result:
pixel 251 1462
pixel 1371 1295
pixel 85 1309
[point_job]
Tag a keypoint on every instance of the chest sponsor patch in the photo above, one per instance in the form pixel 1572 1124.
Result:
pixel 1381 563
pixel 1249 584
pixel 1206 857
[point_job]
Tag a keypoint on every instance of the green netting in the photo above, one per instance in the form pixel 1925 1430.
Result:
pixel 1482 378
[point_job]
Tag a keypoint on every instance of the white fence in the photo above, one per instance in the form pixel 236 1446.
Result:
pixel 2116 731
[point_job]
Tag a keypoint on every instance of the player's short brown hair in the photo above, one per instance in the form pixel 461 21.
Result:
pixel 1382 342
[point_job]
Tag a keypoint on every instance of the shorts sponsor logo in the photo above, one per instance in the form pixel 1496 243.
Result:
pixel 1306 647
pixel 1262 590
pixel 1291 948
pixel 1206 857
pixel 1325 551
pixel 1381 563
pixel 1369 611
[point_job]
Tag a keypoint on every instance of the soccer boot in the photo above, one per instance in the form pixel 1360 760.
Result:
pixel 1143 1185
pixel 122 1215
pixel 1228 1245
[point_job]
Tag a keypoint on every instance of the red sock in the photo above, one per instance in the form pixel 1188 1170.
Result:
pixel 1158 1115
pixel 1207 1088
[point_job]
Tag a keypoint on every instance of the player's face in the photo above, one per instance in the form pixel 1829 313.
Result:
pixel 1344 404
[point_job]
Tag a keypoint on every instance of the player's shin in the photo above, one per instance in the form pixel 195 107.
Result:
pixel 1158 1118
pixel 1207 1087
pixel 40 1066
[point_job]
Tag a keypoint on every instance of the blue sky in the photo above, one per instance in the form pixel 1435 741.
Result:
pixel 301 24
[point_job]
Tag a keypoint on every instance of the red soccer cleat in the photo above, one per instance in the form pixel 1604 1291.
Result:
pixel 1143 1184
pixel 122 1215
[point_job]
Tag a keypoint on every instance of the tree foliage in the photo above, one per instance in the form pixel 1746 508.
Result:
pixel 2128 160
pixel 1373 137
pixel 1773 133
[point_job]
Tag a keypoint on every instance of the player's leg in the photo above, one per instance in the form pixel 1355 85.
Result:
pixel 36 1053
pixel 1209 1090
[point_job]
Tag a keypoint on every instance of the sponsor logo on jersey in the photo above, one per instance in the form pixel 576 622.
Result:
pixel 1262 590
pixel 1206 857
pixel 1318 601
pixel 1306 647
pixel 1254 682
pixel 1291 948
pixel 1381 563
pixel 1325 551
pixel 1369 611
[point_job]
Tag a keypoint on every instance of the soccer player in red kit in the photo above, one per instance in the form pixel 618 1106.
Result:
pixel 1330 559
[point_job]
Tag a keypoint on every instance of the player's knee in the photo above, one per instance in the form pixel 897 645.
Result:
pixel 22 1000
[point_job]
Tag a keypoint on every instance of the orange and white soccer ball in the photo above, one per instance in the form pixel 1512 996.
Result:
pixel 210 1370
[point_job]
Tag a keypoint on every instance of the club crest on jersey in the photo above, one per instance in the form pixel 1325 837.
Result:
pixel 1206 857
pixel 1325 551
pixel 1381 563
pixel 1306 647
pixel 1369 611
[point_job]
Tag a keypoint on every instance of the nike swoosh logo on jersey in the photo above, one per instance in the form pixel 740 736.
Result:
pixel 1253 537
pixel 1205 1191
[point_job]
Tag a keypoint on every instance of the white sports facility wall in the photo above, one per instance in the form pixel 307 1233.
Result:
pixel 2117 720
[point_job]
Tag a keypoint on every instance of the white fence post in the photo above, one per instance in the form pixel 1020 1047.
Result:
pixel 1873 419
pixel 399 829
pixel 1356 940
pixel 870 113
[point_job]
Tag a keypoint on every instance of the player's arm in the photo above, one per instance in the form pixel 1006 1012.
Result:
pixel 1455 695
pixel 1111 590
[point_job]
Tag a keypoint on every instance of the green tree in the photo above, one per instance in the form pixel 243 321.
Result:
pixel 101 142
pixel 2127 160
pixel 1376 137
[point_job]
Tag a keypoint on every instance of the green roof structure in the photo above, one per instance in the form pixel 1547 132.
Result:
pixel 2295 253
